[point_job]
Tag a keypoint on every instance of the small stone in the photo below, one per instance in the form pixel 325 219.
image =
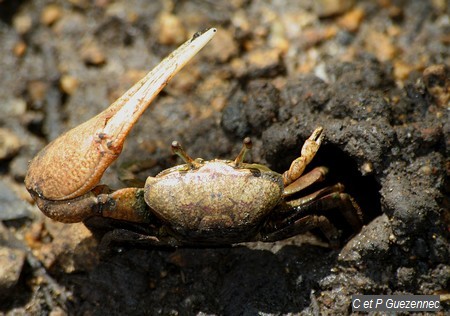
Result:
pixel 51 14
pixel 11 263
pixel 437 82
pixel 11 206
pixel 57 311
pixel 37 90
pixel 426 170
pixel 372 239
pixel 73 248
pixel 69 84
pixel 9 144
pixel 263 58
pixel 18 167
pixel 259 63
pixel 241 22
pixel 380 45
pixel 440 5
pixel 402 70
pixel 71 24
pixel 315 35
pixel 278 38
pixel 13 107
pixel 92 54
pixel 224 48
pixel 352 20
pixel 170 30
pixel 326 8
pixel 19 48
pixel 82 4
pixel 367 168
pixel 22 23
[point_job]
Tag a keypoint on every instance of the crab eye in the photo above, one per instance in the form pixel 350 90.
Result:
pixel 255 172
pixel 178 150
pixel 246 146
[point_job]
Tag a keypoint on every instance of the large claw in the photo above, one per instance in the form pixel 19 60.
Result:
pixel 74 163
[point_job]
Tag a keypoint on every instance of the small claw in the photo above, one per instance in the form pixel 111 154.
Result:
pixel 312 144
pixel 309 149
pixel 73 164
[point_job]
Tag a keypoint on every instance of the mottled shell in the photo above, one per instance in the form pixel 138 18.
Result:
pixel 217 199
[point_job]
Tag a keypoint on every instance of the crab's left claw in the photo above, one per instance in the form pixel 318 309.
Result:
pixel 73 164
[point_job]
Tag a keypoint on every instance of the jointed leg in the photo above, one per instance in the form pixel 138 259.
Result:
pixel 127 237
pixel 126 204
pixel 303 225
pixel 316 175
pixel 309 149
pixel 298 216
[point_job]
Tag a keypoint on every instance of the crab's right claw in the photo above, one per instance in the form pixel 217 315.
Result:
pixel 73 164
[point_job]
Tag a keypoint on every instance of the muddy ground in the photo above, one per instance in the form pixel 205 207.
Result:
pixel 371 73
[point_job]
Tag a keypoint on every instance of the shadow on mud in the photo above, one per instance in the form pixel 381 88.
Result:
pixel 230 281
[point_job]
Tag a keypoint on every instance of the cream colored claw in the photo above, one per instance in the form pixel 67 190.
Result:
pixel 309 150
pixel 74 163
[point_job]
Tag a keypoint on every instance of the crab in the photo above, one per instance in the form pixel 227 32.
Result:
pixel 200 202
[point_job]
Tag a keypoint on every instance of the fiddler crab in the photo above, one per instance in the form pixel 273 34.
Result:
pixel 201 202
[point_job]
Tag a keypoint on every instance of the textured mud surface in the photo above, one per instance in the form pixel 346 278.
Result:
pixel 369 73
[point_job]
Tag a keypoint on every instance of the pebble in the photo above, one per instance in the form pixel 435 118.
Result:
pixel 51 14
pixel 259 62
pixel 278 38
pixel 366 168
pixel 13 107
pixel 82 4
pixel 352 19
pixel 22 23
pixel 37 90
pixel 437 82
pixel 170 30
pixel 402 70
pixel 314 35
pixel 376 234
pixel 92 54
pixel 380 45
pixel 19 48
pixel 73 247
pixel 327 8
pixel 71 24
pixel 57 311
pixel 69 84
pixel 11 263
pixel 18 167
pixel 11 206
pixel 9 144
pixel 224 48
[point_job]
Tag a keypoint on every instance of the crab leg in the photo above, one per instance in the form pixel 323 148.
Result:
pixel 303 225
pixel 74 163
pixel 302 217
pixel 314 176
pixel 328 198
pixel 309 150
